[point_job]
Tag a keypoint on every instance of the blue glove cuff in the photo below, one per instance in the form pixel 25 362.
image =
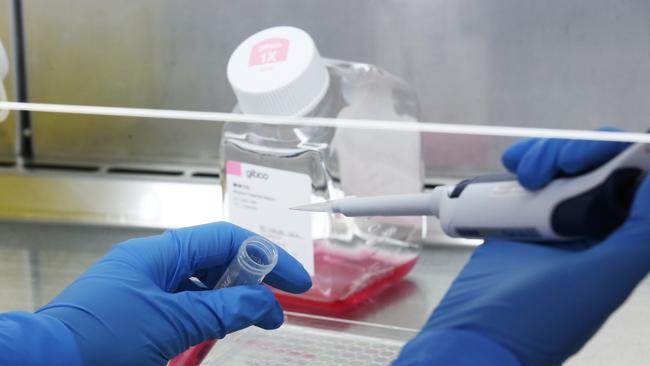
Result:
pixel 452 347
pixel 35 339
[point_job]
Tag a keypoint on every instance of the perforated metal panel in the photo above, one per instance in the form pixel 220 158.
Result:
pixel 298 345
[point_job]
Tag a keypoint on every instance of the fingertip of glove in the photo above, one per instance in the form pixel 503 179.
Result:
pixel 296 282
pixel 289 274
pixel 273 320
pixel 514 153
pixel 510 161
pixel 302 281
pixel 226 310
pixel 511 157
pixel 274 316
pixel 531 180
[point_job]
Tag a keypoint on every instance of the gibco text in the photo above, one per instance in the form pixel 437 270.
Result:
pixel 257 175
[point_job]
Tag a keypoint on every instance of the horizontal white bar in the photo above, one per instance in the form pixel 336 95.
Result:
pixel 348 321
pixel 447 128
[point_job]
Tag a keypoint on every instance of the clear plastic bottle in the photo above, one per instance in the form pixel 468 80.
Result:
pixel 268 169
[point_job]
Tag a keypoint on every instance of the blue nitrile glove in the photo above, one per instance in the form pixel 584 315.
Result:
pixel 530 304
pixel 28 339
pixel 132 308
pixel 537 161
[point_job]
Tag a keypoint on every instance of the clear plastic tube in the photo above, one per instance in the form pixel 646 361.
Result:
pixel 255 258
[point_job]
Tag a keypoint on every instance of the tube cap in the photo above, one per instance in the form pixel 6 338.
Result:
pixel 278 71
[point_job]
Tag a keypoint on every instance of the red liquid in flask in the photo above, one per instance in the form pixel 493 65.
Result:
pixel 344 277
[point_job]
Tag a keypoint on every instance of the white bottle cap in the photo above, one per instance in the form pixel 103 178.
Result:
pixel 278 71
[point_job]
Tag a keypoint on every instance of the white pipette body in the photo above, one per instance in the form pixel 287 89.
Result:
pixel 591 205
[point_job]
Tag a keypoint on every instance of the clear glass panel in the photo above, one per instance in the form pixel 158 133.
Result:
pixel 501 63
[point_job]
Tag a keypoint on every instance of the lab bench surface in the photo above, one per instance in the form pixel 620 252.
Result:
pixel 39 260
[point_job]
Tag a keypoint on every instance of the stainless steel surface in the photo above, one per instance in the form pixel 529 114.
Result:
pixel 8 127
pixel 109 199
pixel 578 63
pixel 38 261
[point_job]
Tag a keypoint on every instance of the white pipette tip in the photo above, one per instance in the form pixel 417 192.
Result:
pixel 314 207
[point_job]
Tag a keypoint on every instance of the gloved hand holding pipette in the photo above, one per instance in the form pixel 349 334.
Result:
pixel 589 205
pixel 135 306
pixel 518 303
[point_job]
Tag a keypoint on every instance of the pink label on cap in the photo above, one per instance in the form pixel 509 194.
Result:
pixel 233 168
pixel 269 51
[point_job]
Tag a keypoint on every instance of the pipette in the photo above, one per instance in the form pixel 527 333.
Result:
pixel 255 259
pixel 590 205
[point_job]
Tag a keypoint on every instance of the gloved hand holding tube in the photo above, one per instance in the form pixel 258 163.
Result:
pixel 255 259
pixel 138 305
pixel 518 303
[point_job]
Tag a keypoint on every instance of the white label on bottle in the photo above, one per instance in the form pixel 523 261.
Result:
pixel 258 198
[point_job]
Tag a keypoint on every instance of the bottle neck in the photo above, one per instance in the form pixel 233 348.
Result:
pixel 332 101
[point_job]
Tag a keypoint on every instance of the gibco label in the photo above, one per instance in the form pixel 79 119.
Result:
pixel 258 198
pixel 252 173
pixel 269 51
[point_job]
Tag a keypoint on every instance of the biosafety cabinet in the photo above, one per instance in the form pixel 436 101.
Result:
pixel 131 117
